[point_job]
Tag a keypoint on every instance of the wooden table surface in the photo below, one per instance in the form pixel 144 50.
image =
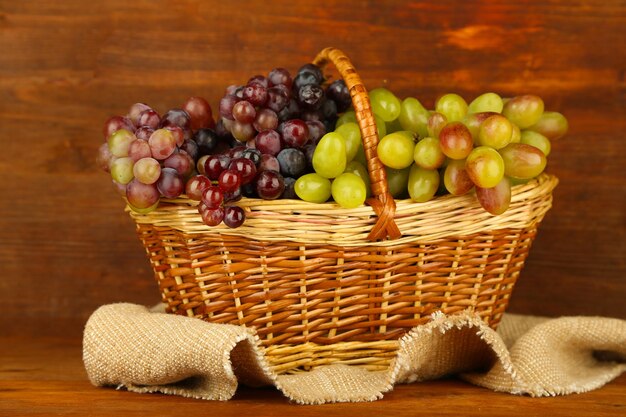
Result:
pixel 67 247
pixel 45 376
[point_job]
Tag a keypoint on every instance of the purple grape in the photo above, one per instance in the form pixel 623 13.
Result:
pixel 207 140
pixel 329 110
pixel 268 163
pixel 211 217
pixel 191 148
pixel 144 132
pixel 226 106
pixel 292 162
pixel 148 118
pixel 215 164
pixel 170 183
pixel 139 149
pixel 212 197
pixel 280 76
pixel 277 98
pixel 233 196
pixel 134 112
pixel 252 154
pixel 176 117
pixel 338 92
pixel 295 133
pixel 105 157
pixel 141 195
pixel 316 131
pixel 229 180
pixel 234 216
pixel 291 111
pixel 196 186
pixel 313 69
pixel 311 115
pixel 116 123
pixel 310 96
pixel 255 93
pixel 259 79
pixel 268 142
pixel 244 167
pixel 236 152
pixel 289 192
pixel 270 185
pixel 181 162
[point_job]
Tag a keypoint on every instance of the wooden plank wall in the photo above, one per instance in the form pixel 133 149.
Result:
pixel 66 246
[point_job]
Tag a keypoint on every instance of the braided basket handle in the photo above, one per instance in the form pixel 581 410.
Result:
pixel 382 202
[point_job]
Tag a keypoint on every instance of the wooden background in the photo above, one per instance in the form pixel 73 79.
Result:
pixel 67 247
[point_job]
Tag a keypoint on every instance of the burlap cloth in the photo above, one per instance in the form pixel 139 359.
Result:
pixel 127 345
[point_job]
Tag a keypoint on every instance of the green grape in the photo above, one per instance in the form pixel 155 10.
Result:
pixel 551 124
pixel 360 156
pixel 423 183
pixel 348 190
pixel 393 126
pixel 359 169
pixel 485 166
pixel 428 154
pixel 119 142
pixel 537 140
pixel 122 170
pixel 473 121
pixel 453 106
pixel 488 102
pixel 495 131
pixel 329 157
pixel 524 111
pixel 397 181
pixel 522 161
pixel 312 188
pixel 495 200
pixel 381 126
pixel 352 135
pixel 396 150
pixel 385 104
pixel 456 179
pixel 456 140
pixel 414 117
pixel 436 122
pixel 348 117
pixel 516 134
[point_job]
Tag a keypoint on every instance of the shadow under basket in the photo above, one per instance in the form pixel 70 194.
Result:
pixel 322 284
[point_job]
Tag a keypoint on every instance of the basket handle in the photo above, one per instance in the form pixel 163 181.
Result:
pixel 382 201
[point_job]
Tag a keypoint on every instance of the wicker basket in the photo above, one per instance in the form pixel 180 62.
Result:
pixel 322 284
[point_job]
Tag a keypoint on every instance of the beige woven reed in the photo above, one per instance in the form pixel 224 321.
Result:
pixel 322 284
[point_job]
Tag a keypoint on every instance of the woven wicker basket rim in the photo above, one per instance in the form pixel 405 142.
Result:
pixel 329 224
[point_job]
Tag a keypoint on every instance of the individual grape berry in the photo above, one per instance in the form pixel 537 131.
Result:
pixel 259 79
pixel 495 200
pixel 211 217
pixel 436 122
pixel 144 132
pixel 255 93
pixel 309 71
pixel 116 123
pixel 234 216
pixel 310 96
pixel 134 112
pixel 149 118
pixel 120 141
pixel 329 110
pixel 191 147
pixel 244 112
pixel 196 186
pixel 524 110
pixel 292 162
pixel 414 117
pixel 309 151
pixel 485 166
pixel 229 180
pixel 176 117
pixel 522 161
pixel 170 183
pixel 122 170
pixel 552 125
pixel 233 196
pixel 252 154
pixel 178 133
pixel 316 131
pixel 270 185
pixel 295 133
pixel 215 164
pixel 200 163
pixel 236 152
pixel 199 112
pixel 385 104
pixel 141 195
pixel 244 167
pixel 423 183
pixel 242 131
pixel 212 197
pixel 289 192
pixel 280 76
pixel 456 140
pixel 206 139
pixel 226 106
pixel 313 188
pixel 105 157
pixel 348 190
pixel 452 106
pixel 495 131
pixel 428 154
pixel 329 158
pixel 290 111
pixel 455 178
pixel 277 99
pixel 139 149
pixel 268 142
pixel 266 119
pixel 162 144
pixel 338 92
pixel 395 150
pixel 147 171
pixel 181 162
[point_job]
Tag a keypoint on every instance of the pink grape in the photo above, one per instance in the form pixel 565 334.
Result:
pixel 170 183
pixel 162 144
pixel 116 123
pixel 134 112
pixel 495 200
pixel 139 149
pixel 456 140
pixel 181 162
pixel 148 118
pixel 268 142
pixel 104 158
pixel 144 132
pixel 141 195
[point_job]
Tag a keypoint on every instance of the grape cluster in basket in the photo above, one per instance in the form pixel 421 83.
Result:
pixel 298 138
